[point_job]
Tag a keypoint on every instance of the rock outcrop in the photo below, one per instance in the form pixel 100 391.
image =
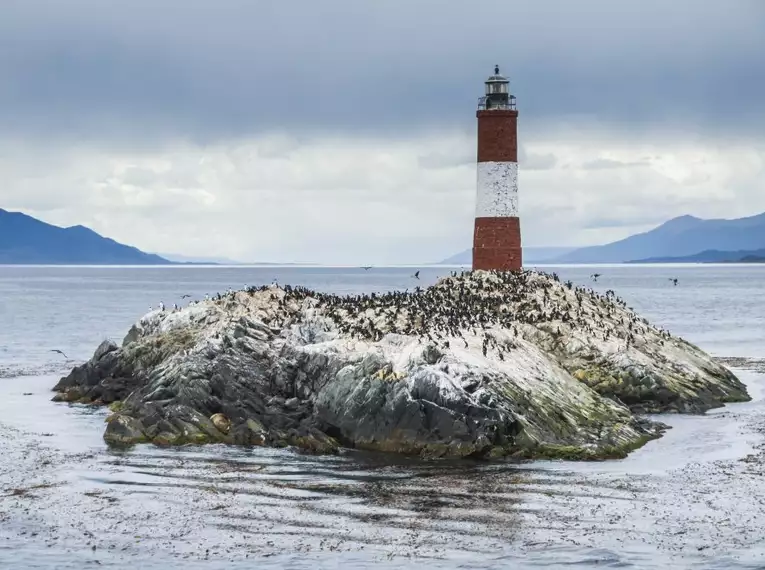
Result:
pixel 481 364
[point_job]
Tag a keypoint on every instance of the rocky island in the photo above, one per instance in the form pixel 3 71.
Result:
pixel 481 364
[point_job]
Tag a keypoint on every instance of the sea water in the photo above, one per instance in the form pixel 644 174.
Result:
pixel 694 498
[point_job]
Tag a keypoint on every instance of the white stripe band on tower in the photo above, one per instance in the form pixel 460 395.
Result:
pixel 497 189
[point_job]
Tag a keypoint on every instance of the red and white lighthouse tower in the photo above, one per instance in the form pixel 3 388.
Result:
pixel 497 233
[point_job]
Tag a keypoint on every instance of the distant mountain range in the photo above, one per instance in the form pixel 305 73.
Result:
pixel 530 255
pixel 26 240
pixel 685 239
pixel 712 256
pixel 177 258
pixel 679 237
pixel 202 260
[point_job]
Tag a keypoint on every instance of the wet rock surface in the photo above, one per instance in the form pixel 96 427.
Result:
pixel 482 364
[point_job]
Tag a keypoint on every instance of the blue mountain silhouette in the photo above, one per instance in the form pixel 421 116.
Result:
pixel 26 240
pixel 678 237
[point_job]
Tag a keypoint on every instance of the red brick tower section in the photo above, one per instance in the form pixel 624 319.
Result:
pixel 497 233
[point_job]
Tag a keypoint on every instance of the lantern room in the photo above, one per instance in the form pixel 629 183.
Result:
pixel 497 93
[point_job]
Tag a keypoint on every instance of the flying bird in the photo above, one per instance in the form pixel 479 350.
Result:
pixel 185 296
pixel 366 267
pixel 416 274
pixel 674 280
pixel 595 276
pixel 61 352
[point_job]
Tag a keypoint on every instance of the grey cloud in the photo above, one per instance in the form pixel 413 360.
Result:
pixel 607 163
pixel 363 202
pixel 139 177
pixel 532 161
pixel 462 155
pixel 209 70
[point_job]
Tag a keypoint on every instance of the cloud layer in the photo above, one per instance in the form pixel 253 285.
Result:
pixel 359 201
pixel 208 70
pixel 343 132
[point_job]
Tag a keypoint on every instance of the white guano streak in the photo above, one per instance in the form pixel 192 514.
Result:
pixel 497 190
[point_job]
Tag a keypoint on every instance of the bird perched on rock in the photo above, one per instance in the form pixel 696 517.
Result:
pixel 460 306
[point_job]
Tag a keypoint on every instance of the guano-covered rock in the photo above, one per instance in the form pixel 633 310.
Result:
pixel 482 364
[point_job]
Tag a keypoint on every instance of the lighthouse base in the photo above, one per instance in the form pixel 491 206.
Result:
pixel 497 244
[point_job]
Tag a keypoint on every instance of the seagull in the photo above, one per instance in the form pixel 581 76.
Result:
pixel 416 274
pixel 61 352
pixel 674 280
pixel 595 276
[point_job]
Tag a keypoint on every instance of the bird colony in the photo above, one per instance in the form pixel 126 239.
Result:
pixel 484 364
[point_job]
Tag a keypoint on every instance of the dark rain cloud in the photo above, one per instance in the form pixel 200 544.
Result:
pixel 156 70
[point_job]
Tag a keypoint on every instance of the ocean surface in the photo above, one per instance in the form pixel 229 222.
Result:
pixel 693 499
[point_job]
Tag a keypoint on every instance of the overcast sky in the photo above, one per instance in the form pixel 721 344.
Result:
pixel 340 131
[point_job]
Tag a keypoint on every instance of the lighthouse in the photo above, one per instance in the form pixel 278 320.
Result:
pixel 497 232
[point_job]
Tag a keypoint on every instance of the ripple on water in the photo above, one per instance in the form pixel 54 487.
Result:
pixel 682 501
pixel 213 506
pixel 16 370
